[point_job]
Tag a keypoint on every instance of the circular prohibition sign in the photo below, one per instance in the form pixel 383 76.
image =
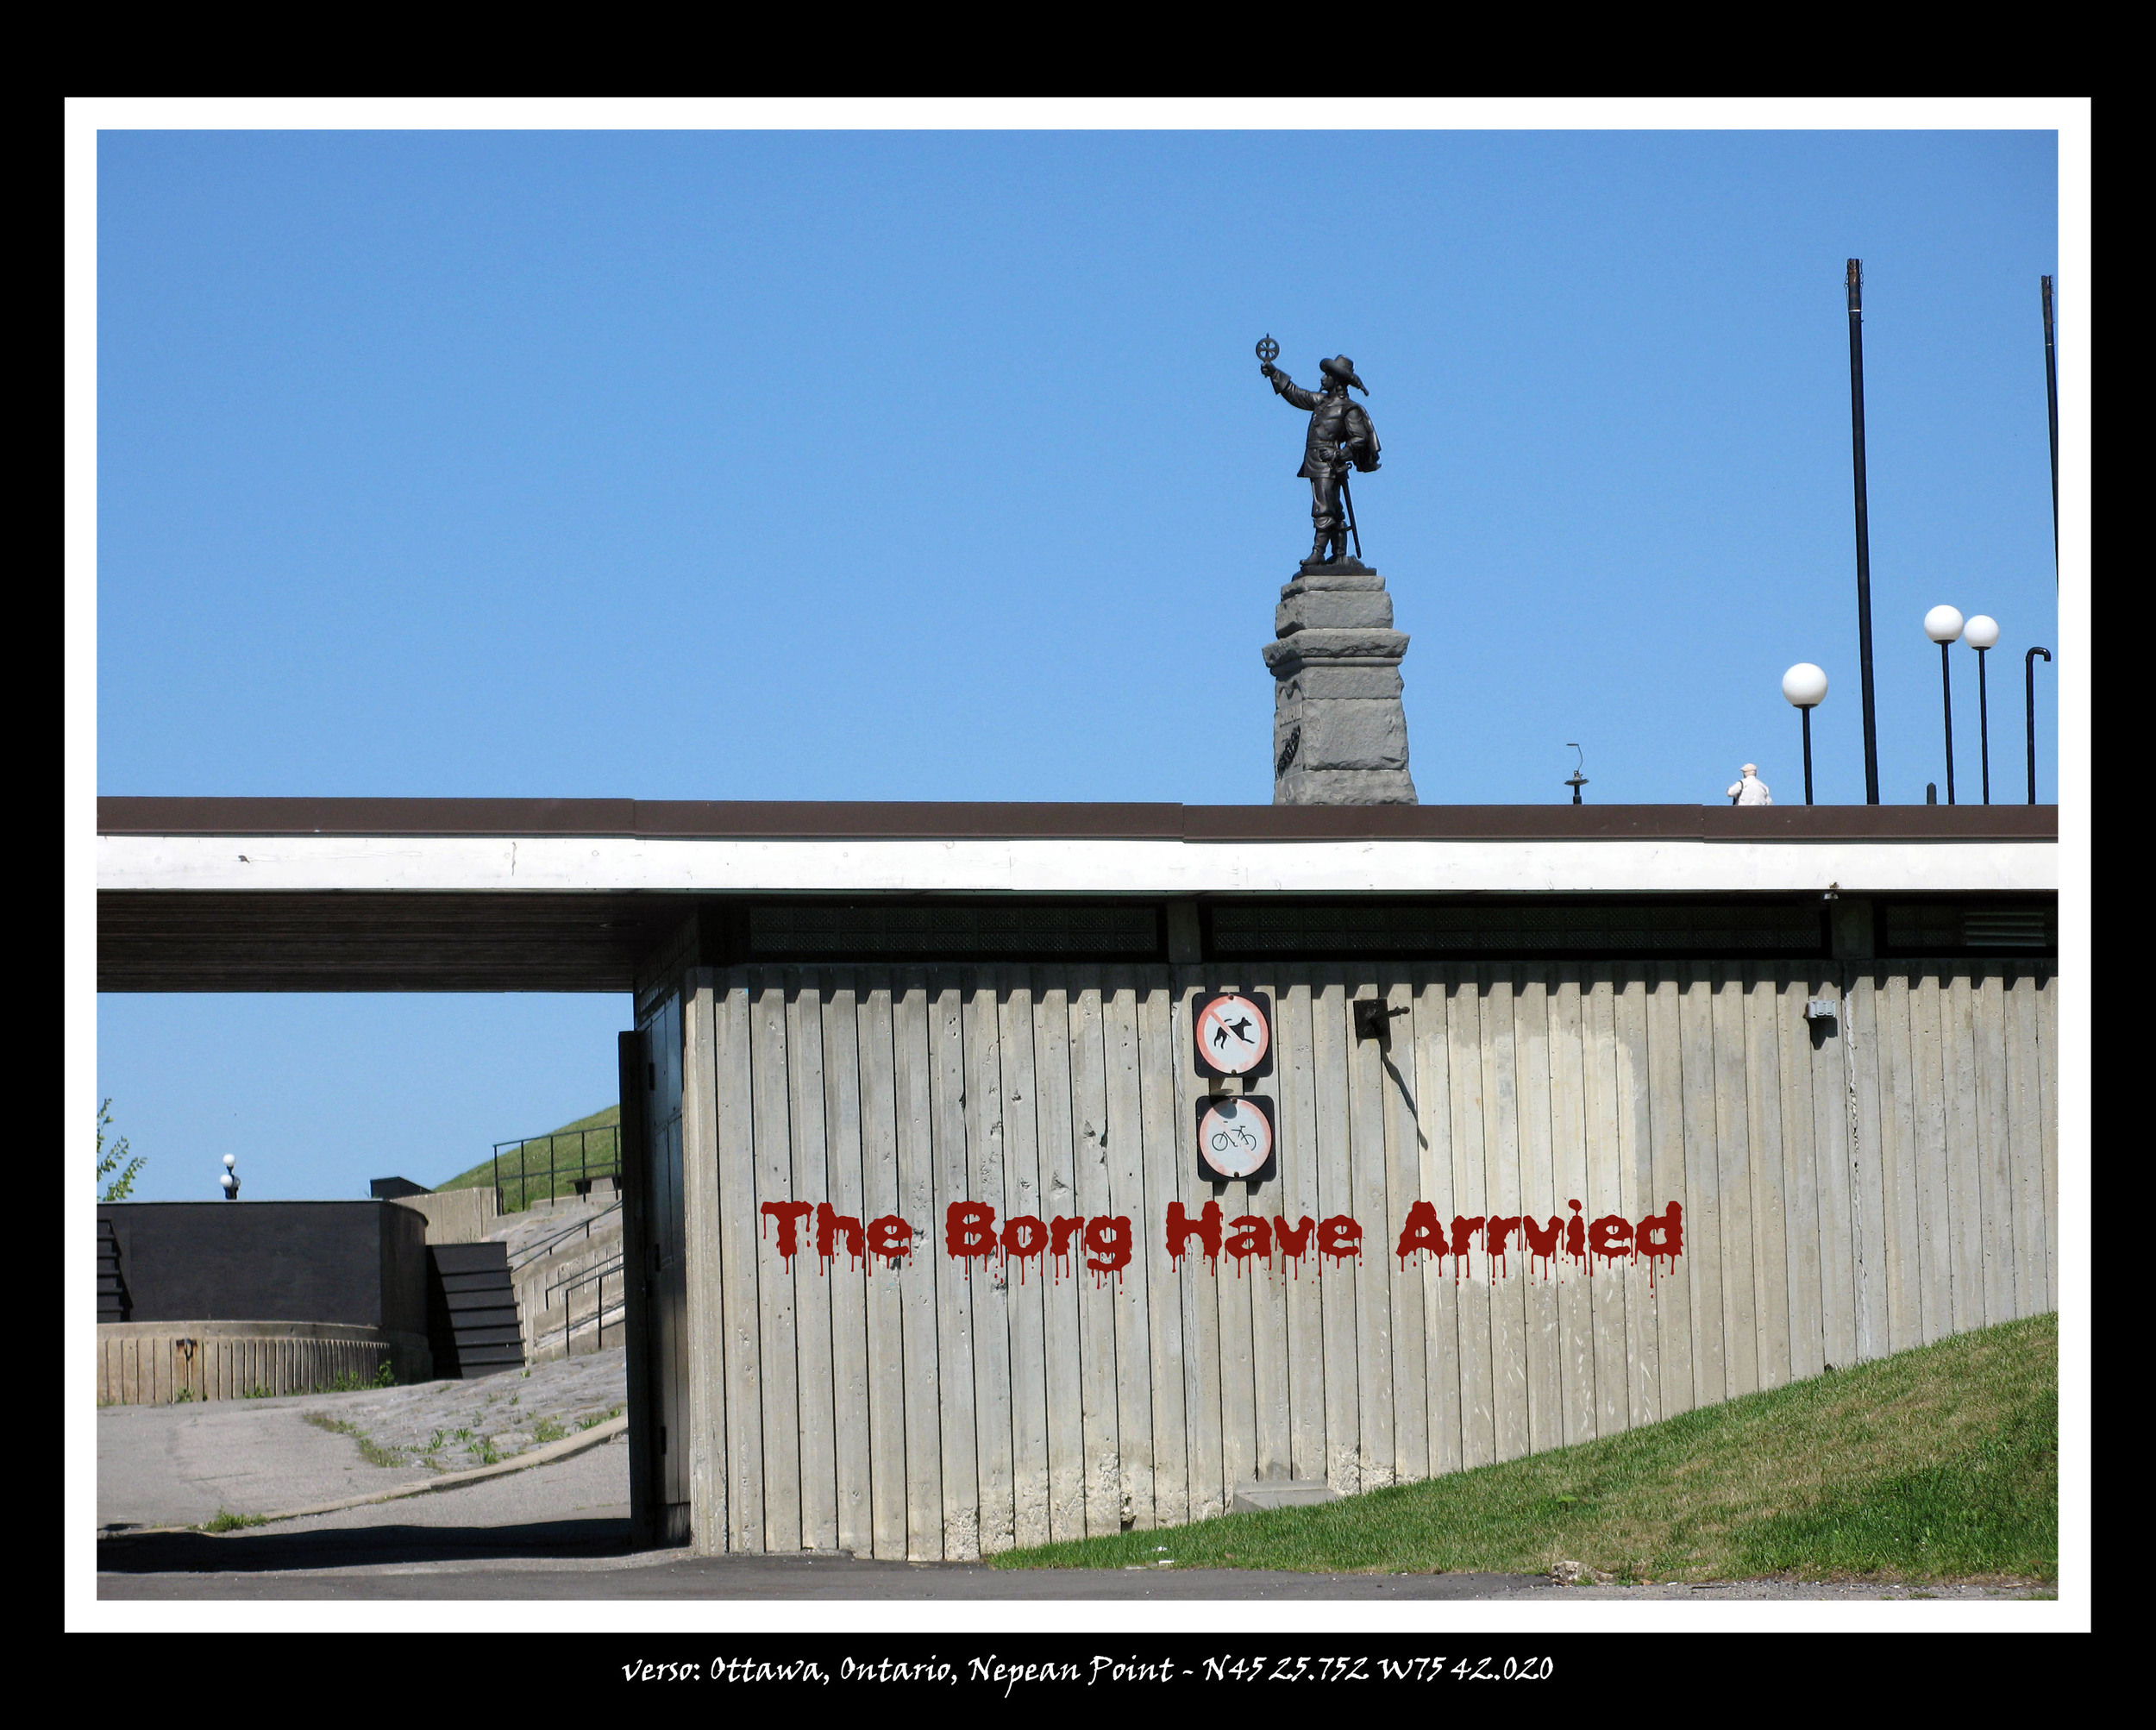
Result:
pixel 1235 1139
pixel 1233 1033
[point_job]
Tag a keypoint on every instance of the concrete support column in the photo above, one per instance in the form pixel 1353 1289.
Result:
pixel 1340 734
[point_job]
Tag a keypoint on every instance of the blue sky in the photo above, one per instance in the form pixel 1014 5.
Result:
pixel 937 466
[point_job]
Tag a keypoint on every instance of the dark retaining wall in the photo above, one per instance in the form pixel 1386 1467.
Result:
pixel 360 1263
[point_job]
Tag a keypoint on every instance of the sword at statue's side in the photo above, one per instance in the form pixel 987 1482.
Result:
pixel 1347 504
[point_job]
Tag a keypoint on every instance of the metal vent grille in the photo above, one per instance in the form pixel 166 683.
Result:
pixel 1110 930
pixel 1687 928
pixel 1935 928
pixel 2016 928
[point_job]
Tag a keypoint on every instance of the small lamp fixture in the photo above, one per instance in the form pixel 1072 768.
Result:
pixel 1805 685
pixel 1943 626
pixel 1578 779
pixel 2028 680
pixel 230 1181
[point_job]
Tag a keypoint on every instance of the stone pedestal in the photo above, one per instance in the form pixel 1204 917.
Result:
pixel 1339 735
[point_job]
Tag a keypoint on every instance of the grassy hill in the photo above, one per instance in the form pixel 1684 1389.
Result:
pixel 1933 1464
pixel 557 1149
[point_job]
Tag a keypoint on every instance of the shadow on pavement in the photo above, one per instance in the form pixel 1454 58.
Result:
pixel 592 1558
pixel 362 1547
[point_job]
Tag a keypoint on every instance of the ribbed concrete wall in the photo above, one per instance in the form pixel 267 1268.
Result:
pixel 148 1362
pixel 1845 1188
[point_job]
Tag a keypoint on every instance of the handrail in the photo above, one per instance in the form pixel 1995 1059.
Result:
pixel 583 1276
pixel 531 1252
pixel 526 1176
pixel 599 1310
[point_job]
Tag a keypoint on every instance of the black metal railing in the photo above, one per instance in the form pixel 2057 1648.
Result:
pixel 540 1166
pixel 547 1245
pixel 565 1288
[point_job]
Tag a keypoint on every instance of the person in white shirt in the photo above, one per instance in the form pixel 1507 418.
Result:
pixel 1751 790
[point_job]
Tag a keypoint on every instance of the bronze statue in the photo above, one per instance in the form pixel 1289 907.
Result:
pixel 1340 434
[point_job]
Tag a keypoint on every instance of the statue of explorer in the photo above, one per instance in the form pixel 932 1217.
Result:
pixel 1340 434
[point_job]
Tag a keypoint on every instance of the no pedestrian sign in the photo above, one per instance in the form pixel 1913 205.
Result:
pixel 1233 1032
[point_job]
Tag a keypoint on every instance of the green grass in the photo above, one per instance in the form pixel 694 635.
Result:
pixel 540 1188
pixel 222 1521
pixel 370 1450
pixel 1941 1463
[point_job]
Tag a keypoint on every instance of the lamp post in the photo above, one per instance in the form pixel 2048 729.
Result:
pixel 1578 777
pixel 1943 625
pixel 2051 396
pixel 2028 677
pixel 1863 528
pixel 1980 634
pixel 230 1182
pixel 1805 685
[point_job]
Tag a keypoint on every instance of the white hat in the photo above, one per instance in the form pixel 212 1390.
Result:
pixel 1750 769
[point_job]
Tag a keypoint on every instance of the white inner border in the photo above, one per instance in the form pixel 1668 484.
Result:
pixel 2071 117
pixel 557 863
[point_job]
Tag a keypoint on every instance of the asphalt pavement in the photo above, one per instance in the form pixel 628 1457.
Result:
pixel 561 1531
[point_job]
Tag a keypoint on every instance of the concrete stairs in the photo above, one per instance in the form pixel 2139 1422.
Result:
pixel 564 1261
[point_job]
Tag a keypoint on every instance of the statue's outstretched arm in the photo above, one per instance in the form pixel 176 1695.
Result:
pixel 1289 388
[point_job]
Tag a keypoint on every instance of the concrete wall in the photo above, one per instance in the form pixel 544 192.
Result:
pixel 359 1263
pixel 1828 1191
pixel 455 1216
pixel 151 1363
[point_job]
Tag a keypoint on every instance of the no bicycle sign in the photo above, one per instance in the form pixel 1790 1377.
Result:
pixel 1235 1139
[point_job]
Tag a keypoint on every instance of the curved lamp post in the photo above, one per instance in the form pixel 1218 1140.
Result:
pixel 1943 625
pixel 1980 634
pixel 2028 677
pixel 230 1182
pixel 1805 685
pixel 1578 778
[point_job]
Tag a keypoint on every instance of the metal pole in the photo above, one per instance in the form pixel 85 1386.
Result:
pixel 1806 711
pixel 1984 728
pixel 2028 672
pixel 2050 391
pixel 1864 529
pixel 1946 689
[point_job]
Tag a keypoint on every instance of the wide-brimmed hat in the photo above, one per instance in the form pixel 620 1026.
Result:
pixel 1339 366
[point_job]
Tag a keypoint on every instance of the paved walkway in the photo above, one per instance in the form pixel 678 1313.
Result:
pixel 181 1465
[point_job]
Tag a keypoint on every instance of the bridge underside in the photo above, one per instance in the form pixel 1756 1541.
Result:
pixel 337 895
pixel 346 941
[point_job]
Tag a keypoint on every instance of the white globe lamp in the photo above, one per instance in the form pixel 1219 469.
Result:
pixel 1805 685
pixel 1942 625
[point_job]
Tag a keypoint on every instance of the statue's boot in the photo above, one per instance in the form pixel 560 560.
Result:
pixel 1318 549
